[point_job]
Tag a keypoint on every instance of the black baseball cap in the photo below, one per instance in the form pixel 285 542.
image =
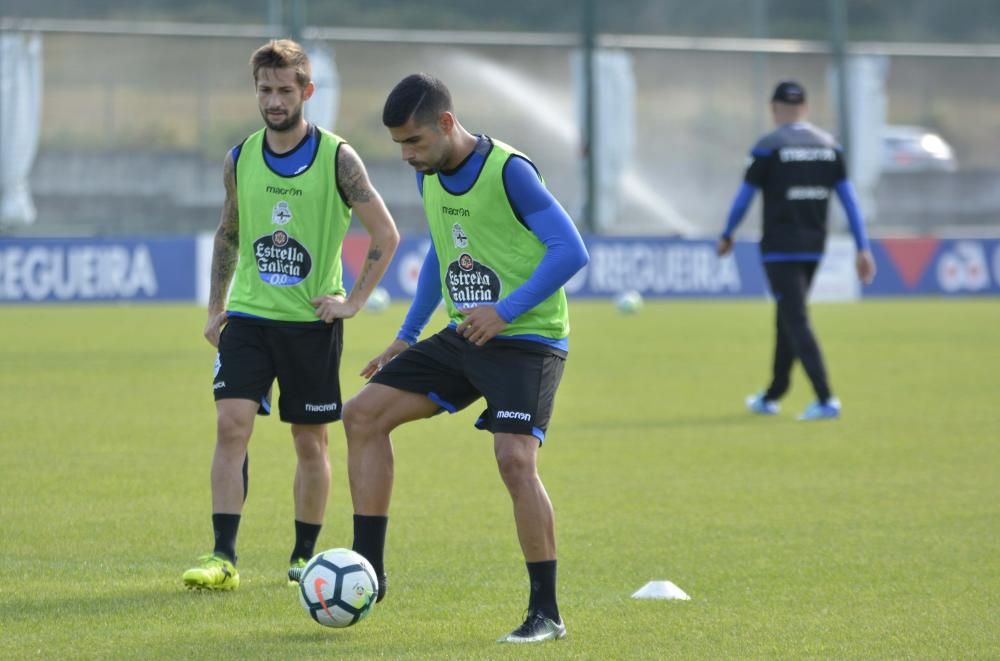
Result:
pixel 789 92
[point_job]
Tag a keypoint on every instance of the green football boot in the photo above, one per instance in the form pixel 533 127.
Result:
pixel 214 572
pixel 295 569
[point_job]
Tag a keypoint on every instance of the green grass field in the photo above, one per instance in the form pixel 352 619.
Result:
pixel 875 536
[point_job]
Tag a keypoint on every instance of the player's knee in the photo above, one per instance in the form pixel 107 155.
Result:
pixel 360 418
pixel 232 428
pixel 310 444
pixel 515 465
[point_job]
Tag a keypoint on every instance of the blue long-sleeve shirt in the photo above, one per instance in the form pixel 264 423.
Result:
pixel 796 166
pixel 565 252
pixel 845 193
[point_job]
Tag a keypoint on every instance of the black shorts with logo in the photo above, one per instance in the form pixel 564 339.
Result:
pixel 518 378
pixel 304 357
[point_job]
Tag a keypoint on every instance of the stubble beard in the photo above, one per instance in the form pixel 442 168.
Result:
pixel 433 168
pixel 290 122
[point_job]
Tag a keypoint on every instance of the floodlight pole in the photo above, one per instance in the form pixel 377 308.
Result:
pixel 297 20
pixel 2 159
pixel 758 21
pixel 589 125
pixel 838 47
pixel 290 26
pixel 276 17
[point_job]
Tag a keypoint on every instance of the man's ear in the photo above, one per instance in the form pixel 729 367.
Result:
pixel 308 91
pixel 446 122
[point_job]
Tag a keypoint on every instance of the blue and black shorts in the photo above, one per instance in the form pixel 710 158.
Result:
pixel 518 379
pixel 303 357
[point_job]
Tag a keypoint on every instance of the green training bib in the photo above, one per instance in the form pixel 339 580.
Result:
pixel 486 252
pixel 291 232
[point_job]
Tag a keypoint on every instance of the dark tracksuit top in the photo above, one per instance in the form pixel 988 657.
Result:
pixel 795 167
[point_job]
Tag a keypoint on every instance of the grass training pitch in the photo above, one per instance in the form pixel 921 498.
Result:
pixel 875 536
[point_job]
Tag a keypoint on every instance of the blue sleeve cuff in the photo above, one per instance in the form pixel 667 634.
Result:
pixel 408 335
pixel 504 311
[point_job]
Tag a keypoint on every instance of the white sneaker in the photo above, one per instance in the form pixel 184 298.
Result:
pixel 830 410
pixel 757 404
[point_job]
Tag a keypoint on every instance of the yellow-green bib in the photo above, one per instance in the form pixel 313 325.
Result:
pixel 484 250
pixel 291 231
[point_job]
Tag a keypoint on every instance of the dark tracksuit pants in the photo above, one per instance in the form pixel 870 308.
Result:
pixel 790 282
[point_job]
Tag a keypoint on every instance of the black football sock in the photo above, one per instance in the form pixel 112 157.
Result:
pixel 542 576
pixel 305 539
pixel 369 539
pixel 226 527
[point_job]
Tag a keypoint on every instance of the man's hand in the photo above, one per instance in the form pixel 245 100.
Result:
pixel 213 329
pixel 724 246
pixel 481 324
pixel 330 307
pixel 865 265
pixel 375 364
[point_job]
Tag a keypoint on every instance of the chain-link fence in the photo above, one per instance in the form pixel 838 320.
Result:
pixel 134 126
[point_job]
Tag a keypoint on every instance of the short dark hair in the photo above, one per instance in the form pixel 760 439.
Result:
pixel 420 96
pixel 282 54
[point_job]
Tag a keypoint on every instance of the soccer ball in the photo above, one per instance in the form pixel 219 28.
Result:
pixel 629 302
pixel 338 588
pixel 379 300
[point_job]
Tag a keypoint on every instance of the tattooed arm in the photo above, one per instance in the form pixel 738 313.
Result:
pixel 225 254
pixel 352 180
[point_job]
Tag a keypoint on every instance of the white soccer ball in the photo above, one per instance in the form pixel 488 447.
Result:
pixel 629 302
pixel 379 300
pixel 338 588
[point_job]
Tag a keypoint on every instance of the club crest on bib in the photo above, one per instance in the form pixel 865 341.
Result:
pixel 470 282
pixel 461 238
pixel 281 214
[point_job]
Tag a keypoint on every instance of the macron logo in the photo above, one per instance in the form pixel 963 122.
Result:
pixel 806 154
pixel 320 408
pixel 454 211
pixel 513 415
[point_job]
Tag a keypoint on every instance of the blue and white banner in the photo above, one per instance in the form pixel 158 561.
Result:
pixel 659 267
pixel 178 269
pixel 665 267
pixel 78 270
pixel 947 267
pixel 655 267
